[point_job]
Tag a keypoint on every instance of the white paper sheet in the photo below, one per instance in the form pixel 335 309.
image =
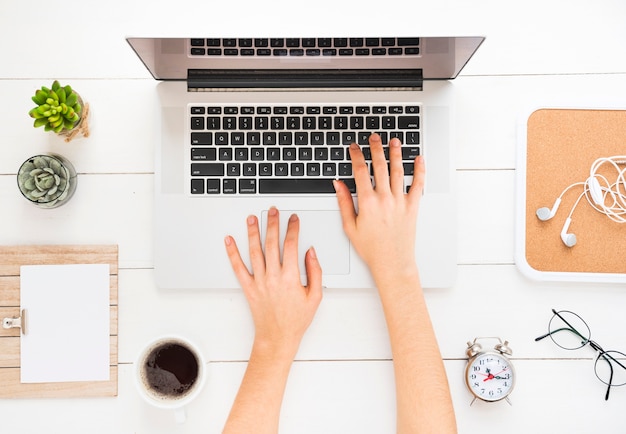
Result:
pixel 68 322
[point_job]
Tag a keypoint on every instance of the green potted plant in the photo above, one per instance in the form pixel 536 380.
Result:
pixel 47 180
pixel 61 110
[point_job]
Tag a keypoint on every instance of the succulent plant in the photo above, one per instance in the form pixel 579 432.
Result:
pixel 57 108
pixel 43 179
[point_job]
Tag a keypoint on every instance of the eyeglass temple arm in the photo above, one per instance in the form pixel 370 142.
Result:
pixel 570 329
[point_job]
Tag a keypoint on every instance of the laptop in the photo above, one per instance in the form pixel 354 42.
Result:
pixel 251 123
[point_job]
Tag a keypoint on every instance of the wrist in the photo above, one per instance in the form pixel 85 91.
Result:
pixel 274 349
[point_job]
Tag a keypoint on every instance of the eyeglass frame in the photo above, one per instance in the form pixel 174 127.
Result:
pixel 593 344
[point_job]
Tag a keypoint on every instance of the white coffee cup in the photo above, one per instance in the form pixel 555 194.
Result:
pixel 170 373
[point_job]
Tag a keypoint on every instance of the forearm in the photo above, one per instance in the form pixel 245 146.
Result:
pixel 257 405
pixel 423 397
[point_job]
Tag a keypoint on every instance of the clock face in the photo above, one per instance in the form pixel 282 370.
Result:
pixel 490 376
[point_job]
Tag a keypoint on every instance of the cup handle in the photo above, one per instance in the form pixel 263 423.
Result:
pixel 181 415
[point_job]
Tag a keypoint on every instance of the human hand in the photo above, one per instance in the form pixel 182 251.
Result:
pixel 383 229
pixel 282 308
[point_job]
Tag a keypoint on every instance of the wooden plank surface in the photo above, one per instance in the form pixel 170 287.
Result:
pixel 11 258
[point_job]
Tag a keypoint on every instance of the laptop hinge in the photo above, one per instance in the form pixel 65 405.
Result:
pixel 298 78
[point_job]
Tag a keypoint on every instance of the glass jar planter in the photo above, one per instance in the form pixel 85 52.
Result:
pixel 47 181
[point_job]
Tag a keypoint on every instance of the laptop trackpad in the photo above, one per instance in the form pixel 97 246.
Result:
pixel 322 230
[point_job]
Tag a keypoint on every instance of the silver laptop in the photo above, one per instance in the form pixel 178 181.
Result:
pixel 251 123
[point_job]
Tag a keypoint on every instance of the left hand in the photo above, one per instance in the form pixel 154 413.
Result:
pixel 282 308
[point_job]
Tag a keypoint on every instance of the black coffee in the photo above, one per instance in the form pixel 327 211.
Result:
pixel 171 370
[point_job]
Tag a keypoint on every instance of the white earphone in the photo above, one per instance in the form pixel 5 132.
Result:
pixel 605 197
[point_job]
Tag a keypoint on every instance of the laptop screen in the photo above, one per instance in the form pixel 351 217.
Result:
pixel 429 57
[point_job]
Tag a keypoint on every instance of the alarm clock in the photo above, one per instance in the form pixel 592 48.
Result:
pixel 489 374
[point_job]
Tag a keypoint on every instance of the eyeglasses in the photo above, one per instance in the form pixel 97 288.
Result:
pixel 571 332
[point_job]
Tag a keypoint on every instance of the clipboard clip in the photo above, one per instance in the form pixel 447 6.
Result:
pixel 16 322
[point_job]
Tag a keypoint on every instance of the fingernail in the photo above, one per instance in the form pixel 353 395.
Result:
pixel 251 220
pixel 354 146
pixel 293 217
pixel 395 142
pixel 272 211
pixel 228 240
pixel 312 252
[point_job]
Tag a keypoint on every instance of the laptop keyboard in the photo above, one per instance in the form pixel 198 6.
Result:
pixel 312 47
pixel 280 149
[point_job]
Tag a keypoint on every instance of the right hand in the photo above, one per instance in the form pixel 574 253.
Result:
pixel 384 228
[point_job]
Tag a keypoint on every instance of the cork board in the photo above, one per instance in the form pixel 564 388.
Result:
pixel 11 258
pixel 561 145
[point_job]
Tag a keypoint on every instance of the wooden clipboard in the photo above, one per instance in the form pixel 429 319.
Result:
pixel 560 147
pixel 11 258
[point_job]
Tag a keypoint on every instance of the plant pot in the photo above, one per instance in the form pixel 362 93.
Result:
pixel 47 181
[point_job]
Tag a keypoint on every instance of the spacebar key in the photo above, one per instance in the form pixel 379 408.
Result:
pixel 301 185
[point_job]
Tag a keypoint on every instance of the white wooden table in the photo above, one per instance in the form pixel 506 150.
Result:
pixel 537 53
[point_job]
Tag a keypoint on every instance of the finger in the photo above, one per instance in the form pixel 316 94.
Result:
pixel 346 206
pixel 313 275
pixel 272 239
pixel 257 258
pixel 419 177
pixel 396 169
pixel 379 163
pixel 239 267
pixel 360 170
pixel 290 250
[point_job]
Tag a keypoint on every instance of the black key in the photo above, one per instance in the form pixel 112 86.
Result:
pixel 261 42
pixel 213 123
pixel 197 123
pixel 389 122
pixel 269 138
pixel 332 138
pixel 302 185
pixel 213 186
pixel 392 51
pixel 346 52
pixel 329 52
pixel 297 169
pixel 329 169
pixel 277 42
pixel 247 186
pixel 241 154
pixel 409 153
pixel 263 52
pixel 389 42
pixel 280 52
pixel 247 42
pixel 201 138
pixel 229 42
pixel 293 42
pixel 412 51
pixel 324 42
pixel 214 51
pixel 207 169
pixel 308 42
pixel 197 110
pixel 281 169
pixel 305 154
pixel 321 153
pixel 409 122
pixel 233 169
pixel 345 169
pixel 273 154
pixel 372 123
pixel 356 42
pixel 231 110
pixel 341 123
pixel 265 169
pixel 198 51
pixel 362 52
pixel 313 169
pixel 285 138
pixel 213 42
pixel 249 169
pixel 203 154
pixel 340 42
pixel 379 51
pixel 253 138
pixel 403 42
pixel 197 186
pixel 229 186
pixel 257 154
pixel 313 52
pixel 197 42
pixel 412 138
pixel 409 169
pixel 296 52
pixel 245 123
pixel 221 138
pixel 231 52
pixel 356 122
pixel 372 42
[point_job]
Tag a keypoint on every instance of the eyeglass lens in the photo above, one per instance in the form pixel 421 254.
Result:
pixel 568 330
pixel 611 368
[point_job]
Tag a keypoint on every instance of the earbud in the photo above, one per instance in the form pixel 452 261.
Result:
pixel 546 213
pixel 568 239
